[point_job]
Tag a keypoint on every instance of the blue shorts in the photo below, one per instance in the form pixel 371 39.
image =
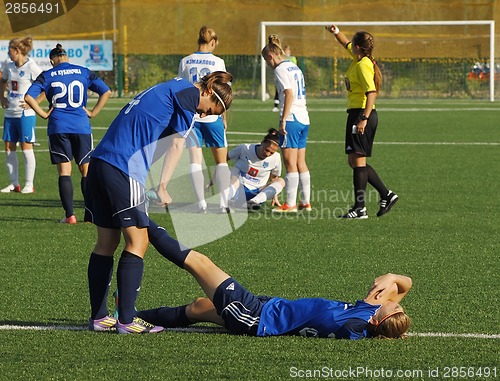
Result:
pixel 20 129
pixel 113 199
pixel 296 136
pixel 63 147
pixel 238 307
pixel 213 134
pixel 249 193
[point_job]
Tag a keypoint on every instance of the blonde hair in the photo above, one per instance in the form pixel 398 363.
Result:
pixel 393 326
pixel 206 35
pixel 366 43
pixel 273 46
pixel 220 83
pixel 24 45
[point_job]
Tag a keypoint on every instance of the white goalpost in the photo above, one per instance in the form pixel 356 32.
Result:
pixel 491 23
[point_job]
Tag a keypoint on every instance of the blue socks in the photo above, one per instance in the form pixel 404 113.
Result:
pixel 83 185
pixel 128 277
pixel 170 248
pixel 66 194
pixel 168 317
pixel 100 271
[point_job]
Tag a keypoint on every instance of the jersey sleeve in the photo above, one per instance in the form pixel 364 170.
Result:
pixel 234 154
pixel 348 47
pixel 5 72
pixel 283 78
pixel 181 70
pixel 97 85
pixel 35 71
pixel 366 75
pixel 37 87
pixel 353 329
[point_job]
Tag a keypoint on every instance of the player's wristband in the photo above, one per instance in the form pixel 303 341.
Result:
pixel 336 30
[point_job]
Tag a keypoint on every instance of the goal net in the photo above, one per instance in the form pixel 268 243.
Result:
pixel 424 59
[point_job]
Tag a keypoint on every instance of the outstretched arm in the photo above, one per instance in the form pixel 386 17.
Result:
pixel 388 287
pixel 341 37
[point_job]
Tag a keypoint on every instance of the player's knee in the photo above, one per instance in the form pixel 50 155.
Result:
pixel 197 308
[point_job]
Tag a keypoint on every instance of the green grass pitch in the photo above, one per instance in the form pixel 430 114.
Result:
pixel 440 157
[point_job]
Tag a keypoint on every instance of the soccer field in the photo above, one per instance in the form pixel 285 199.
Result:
pixel 440 157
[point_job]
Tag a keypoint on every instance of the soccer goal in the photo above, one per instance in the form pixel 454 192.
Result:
pixel 419 59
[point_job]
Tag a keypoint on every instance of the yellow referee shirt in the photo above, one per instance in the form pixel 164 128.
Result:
pixel 359 80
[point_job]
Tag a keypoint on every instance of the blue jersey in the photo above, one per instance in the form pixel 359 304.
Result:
pixel 315 317
pixel 131 141
pixel 65 86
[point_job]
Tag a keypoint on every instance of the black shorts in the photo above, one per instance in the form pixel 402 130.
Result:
pixel 239 308
pixel 113 199
pixel 63 147
pixel 360 144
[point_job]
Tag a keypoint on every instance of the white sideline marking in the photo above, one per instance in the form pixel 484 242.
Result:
pixel 343 109
pixel 13 327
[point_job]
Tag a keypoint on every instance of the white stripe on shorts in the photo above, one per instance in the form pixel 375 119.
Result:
pixel 236 309
pixel 135 192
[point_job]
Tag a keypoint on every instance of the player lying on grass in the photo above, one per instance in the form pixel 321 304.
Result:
pixel 230 305
pixel 257 169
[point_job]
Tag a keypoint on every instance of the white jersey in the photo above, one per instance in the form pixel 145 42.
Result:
pixel 254 172
pixel 19 80
pixel 195 66
pixel 287 75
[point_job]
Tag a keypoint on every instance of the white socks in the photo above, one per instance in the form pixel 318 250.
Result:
pixel 198 180
pixel 292 185
pixel 223 179
pixel 12 167
pixel 305 187
pixel 268 192
pixel 29 166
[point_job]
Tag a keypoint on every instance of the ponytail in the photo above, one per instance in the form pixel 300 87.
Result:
pixel 272 136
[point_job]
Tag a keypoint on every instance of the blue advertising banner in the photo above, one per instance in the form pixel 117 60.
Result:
pixel 97 55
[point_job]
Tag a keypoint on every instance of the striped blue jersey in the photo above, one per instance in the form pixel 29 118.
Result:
pixel 131 141
pixel 316 317
pixel 65 86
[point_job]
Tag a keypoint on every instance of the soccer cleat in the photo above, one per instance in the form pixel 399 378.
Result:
pixel 356 213
pixel 11 188
pixel 28 189
pixel 285 208
pixel 253 206
pixel 138 326
pixel 306 207
pixel 226 210
pixel 69 220
pixel 387 203
pixel 276 109
pixel 107 323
